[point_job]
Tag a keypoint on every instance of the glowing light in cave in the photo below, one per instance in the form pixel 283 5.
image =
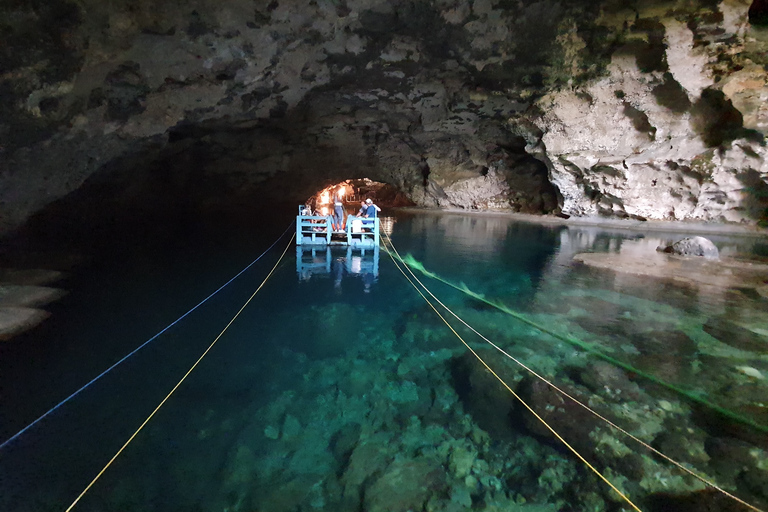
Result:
pixel 324 198
pixel 342 191
pixel 324 210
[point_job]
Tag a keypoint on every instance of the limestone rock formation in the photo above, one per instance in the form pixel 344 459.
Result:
pixel 594 108
pixel 695 246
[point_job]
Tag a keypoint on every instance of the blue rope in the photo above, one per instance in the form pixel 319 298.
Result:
pixel 22 431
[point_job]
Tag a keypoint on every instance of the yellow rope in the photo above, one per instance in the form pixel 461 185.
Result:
pixel 564 393
pixel 558 436
pixel 179 383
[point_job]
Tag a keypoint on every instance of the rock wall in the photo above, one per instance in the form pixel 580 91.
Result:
pixel 671 132
pixel 588 107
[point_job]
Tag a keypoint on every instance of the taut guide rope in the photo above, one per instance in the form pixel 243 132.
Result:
pixel 180 381
pixel 124 358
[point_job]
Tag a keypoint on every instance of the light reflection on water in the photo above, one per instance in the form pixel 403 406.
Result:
pixel 336 389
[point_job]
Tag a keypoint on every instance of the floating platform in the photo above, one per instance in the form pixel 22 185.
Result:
pixel 318 230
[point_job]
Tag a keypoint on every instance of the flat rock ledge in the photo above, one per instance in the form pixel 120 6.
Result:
pixel 725 273
pixel 28 296
pixel 32 276
pixel 21 294
pixel 16 320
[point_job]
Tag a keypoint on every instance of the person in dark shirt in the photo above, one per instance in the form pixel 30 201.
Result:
pixel 369 210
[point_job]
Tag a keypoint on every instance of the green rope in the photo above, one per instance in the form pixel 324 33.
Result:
pixel 414 264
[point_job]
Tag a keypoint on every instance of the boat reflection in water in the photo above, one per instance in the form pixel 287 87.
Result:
pixel 337 262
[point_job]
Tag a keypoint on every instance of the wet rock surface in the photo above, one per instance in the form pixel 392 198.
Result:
pixel 694 246
pixel 586 108
pixel 730 273
pixel 735 335
pixel 21 296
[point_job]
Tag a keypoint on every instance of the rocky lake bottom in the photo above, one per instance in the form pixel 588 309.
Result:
pixel 342 390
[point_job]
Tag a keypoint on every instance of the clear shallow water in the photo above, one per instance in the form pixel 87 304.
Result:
pixel 343 391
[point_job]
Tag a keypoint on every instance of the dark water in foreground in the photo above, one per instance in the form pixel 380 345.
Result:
pixel 339 389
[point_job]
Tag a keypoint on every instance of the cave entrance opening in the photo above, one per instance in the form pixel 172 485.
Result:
pixel 341 213
pixel 353 192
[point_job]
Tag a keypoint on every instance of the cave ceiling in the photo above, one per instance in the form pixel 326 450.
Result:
pixel 625 109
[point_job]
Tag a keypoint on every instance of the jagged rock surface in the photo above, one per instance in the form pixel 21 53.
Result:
pixel 589 107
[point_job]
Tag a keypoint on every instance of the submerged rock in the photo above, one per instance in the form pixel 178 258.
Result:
pixel 405 485
pixel 15 320
pixel 735 335
pixel 344 441
pixel 694 246
pixel 482 395
pixel 562 414
pixel 725 273
pixel 28 296
pixel 30 277
pixel 602 376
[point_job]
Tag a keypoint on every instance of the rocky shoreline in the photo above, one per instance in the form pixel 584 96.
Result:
pixel 607 223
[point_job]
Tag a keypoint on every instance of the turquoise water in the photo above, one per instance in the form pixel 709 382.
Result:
pixel 338 388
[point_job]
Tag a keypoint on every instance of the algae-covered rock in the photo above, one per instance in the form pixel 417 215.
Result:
pixel 344 441
pixel 482 395
pixel 291 427
pixel 405 485
pixel 562 414
pixel 605 377
pixel 370 456
pixel 735 335
pixel 271 432
pixel 461 460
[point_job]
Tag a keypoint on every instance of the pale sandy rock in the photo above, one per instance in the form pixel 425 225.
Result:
pixel 687 65
pixel 751 372
pixel 735 18
pixel 686 271
pixel 16 320
pixel 695 246
pixel 26 296
pixel 748 91
pixel 604 162
pixel 479 191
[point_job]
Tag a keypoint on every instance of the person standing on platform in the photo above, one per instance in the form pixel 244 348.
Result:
pixel 338 211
